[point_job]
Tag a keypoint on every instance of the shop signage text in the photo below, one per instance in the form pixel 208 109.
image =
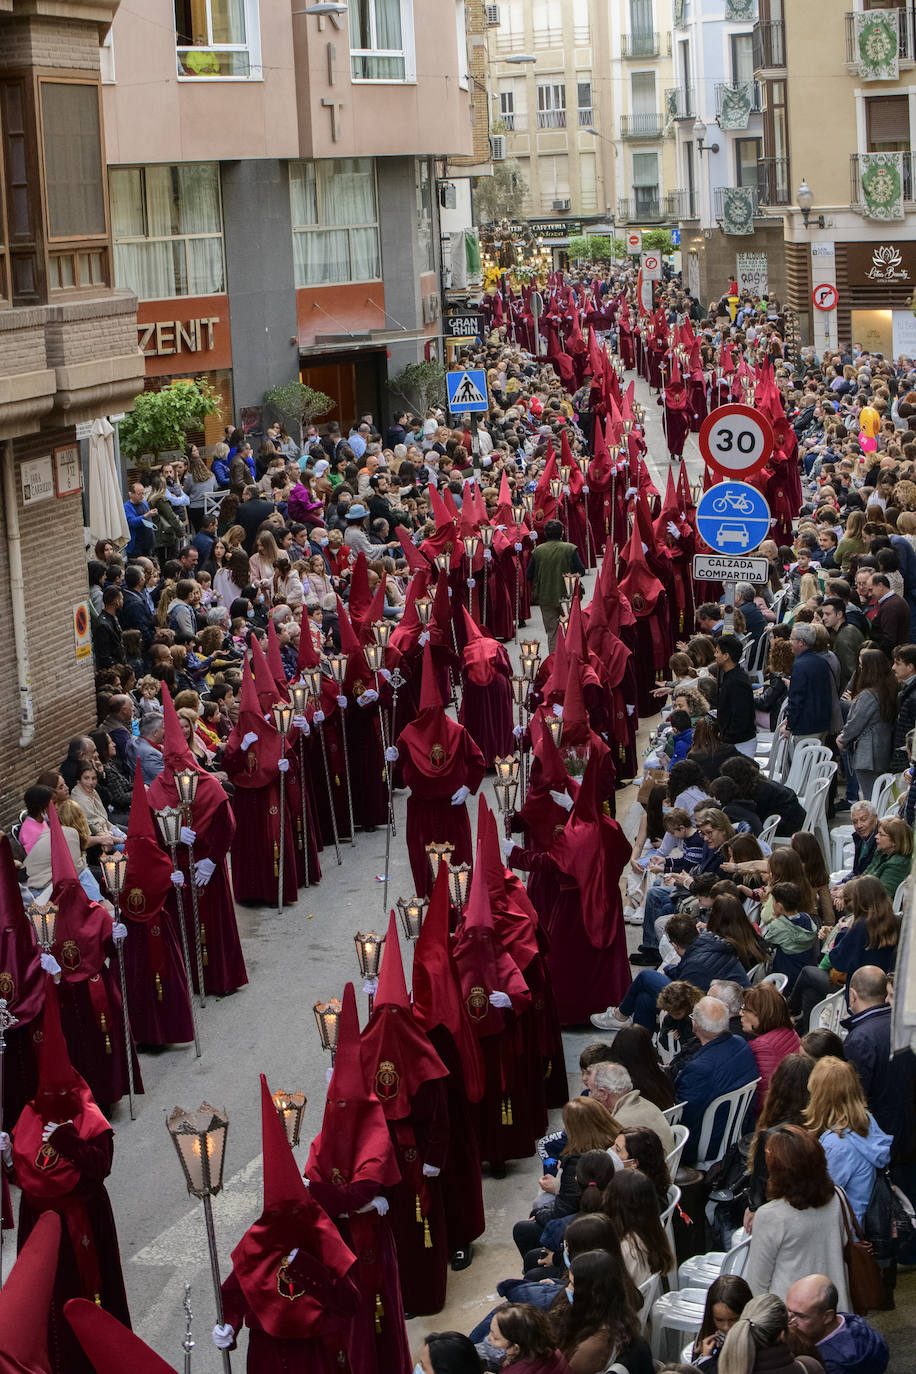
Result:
pixel 883 264
pixel 887 265
pixel 177 336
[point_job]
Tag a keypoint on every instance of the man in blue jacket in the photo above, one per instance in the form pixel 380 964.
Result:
pixel 809 707
pixel 887 1080
pixel 844 1342
pixel 723 1063
pixel 139 522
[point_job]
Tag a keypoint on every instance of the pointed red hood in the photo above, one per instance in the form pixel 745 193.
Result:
pixel 177 756
pixel 360 595
pixel 514 918
pixel 375 612
pixel 482 655
pixel 397 1054
pixel 264 683
pixel 440 622
pixel 640 586
pixel 483 965
pixel 83 926
pixel 22 978
pixel 25 1301
pixel 353 1144
pixel 555 684
pixel 148 880
pixel 617 607
pixel 592 850
pixel 577 732
pixel 108 1346
pixel 415 560
pixel 408 630
pixel 437 999
pixel 275 663
pixel 430 696
pixel 545 504
pixel 440 512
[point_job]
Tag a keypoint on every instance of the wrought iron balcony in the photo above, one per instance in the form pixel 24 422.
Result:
pixel 639 44
pixel 773 184
pixel 641 126
pixel 680 102
pixel 769 46
pixel 645 207
pixel 906 37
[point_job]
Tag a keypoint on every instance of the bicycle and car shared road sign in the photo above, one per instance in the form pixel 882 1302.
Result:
pixel 733 518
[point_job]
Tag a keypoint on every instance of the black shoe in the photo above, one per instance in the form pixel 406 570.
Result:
pixel 497 1171
pixel 461 1259
pixel 841 804
pixel 646 958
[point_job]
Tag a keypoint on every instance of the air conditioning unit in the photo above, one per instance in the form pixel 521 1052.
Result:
pixel 498 147
pixel 562 204
pixel 492 15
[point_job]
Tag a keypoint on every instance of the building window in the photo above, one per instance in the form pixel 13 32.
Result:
pixel 742 46
pixel 645 185
pixel 217 38
pixel 425 217
pixel 887 123
pixel 747 154
pixel 584 100
pixel 588 182
pixel 167 230
pixel 547 22
pixel 71 135
pixel 552 106
pixel 380 34
pixel 554 175
pixel 507 109
pixel 580 21
pixel 335 221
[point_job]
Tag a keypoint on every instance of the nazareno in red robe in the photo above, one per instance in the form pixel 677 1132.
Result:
pixel 486 698
pixel 22 984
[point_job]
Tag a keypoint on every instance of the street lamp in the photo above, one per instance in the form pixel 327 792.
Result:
pixel 805 199
pixel 699 133
pixel 519 59
pixel 200 1142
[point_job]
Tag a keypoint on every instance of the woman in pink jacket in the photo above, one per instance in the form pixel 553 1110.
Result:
pixel 767 1022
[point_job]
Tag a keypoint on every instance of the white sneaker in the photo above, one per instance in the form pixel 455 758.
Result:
pixel 610 1020
pixel 631 916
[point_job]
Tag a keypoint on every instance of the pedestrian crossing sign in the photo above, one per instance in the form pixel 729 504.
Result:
pixel 467 390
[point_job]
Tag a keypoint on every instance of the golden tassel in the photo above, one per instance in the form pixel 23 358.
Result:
pixel 427 1238
pixel 419 1210
pixel 508 1111
pixel 276 860
pixel 681 622
pixel 299 827
pixel 203 944
pixel 379 1314
pixel 97 1300
pixel 108 1044
pixel 158 988
pixel 502 1112
pixel 336 779
pixel 103 1026
pixel 549 1068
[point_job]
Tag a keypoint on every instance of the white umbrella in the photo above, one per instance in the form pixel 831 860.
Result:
pixel 106 504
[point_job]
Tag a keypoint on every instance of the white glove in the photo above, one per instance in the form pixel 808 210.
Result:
pixel 630 710
pixel 472 581
pixel 370 986
pixel 379 1203
pixel 488 555
pixel 430 1171
pixel 117 833
pixel 119 931
pixel 329 1073
pixel 461 796
pixel 368 697
pixel 187 836
pixel 249 739
pixel 385 673
pixel 558 710
pixel 518 548
pixel 486 462
pixel 645 547
pixel 223 1336
pixel 562 799
pixel 673 530
pixel 6 1148
pixel 318 717
pixel 178 878
pixel 301 723
pixel 534 536
pixel 49 1131
pixel 50 964
pixel 585 491
pixel 506 847
pixel 424 639
pixel 283 765
pixel 518 731
pixel 203 872
pixel 391 754
pixel 502 1000
pixel 292 1254
pixel 342 703
pixel 566 491
pixel 630 491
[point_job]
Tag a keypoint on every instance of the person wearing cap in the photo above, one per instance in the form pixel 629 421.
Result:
pixel 60 1153
pixel 355 536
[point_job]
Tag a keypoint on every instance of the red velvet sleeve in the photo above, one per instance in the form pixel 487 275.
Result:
pixel 429 1114
pixel 92 1157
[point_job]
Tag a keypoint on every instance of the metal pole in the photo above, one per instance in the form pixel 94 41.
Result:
pixel 346 754
pixel 214 1269
pixel 486 578
pixel 198 943
pixel 384 735
pixel 124 1015
pixel 187 1344
pixel 282 828
pixel 173 850
pixel 327 774
pixel 730 607
pixel 305 824
pixel 7 1022
pixel 396 681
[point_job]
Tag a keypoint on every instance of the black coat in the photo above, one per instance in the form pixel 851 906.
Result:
pixel 774 799
pixel 904 722
pixel 888 1081
pixel 107 641
pixel 735 710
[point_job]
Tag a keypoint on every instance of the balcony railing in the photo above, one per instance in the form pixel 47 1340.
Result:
pixel 641 208
pixel 722 87
pixel 773 183
pixel 906 37
pixel 641 126
pixel 719 199
pixel 586 118
pixel 769 46
pixel 639 45
pixel 680 103
pixel 551 119
pixel 514 123
pixel 857 199
pixel 681 205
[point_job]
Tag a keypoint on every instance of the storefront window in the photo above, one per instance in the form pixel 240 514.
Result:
pixel 335 221
pixel 167 230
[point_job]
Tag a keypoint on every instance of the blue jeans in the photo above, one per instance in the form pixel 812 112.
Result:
pixel 640 999
pixel 660 901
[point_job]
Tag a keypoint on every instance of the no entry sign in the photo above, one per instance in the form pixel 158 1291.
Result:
pixel 736 440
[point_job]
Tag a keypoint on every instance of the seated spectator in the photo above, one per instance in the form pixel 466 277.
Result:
pixel 675 1003
pixel 845 1343
pixel 598 1327
pixel 758 1341
pixel 887 1081
pixel 663 896
pixel 633 1048
pixel 893 854
pixel 770 798
pixel 789 932
pixel 631 1202
pixel 86 796
pixel 800 1229
pixel 523 1334
pixel 723 1063
pixel 767 1023
pixel 853 1142
pixel 37 799
pixel 681 737
pixel 726 1299
pixel 641 1149
pixel 868 935
pixel 785 1105
pixel 149 746
pixel 612 1086
pixel 732 994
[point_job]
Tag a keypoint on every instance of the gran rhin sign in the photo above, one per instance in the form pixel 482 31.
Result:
pixel 177 336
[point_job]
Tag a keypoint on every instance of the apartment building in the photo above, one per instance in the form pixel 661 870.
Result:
pixel 839 102
pixel 272 181
pixel 551 91
pixel 68 353
pixel 642 129
pixel 715 105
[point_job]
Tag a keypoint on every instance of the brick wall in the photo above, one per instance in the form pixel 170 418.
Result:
pixel 61 44
pixel 63 696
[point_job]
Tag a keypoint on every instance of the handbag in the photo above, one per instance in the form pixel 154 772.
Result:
pixel 866 1287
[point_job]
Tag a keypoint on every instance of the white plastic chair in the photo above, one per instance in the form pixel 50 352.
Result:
pixel 649 1288
pixel 770 826
pixel 673 1160
pixel 815 801
pixel 666 1219
pixel 736 1260
pixel 779 980
pixel 673 1114
pixel 882 792
pixel 807 754
pixel 828 1014
pixel 899 899
pixel 734 1105
pixel 701 1271
pixel 677 1311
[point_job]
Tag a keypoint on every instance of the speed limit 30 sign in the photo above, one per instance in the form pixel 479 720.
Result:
pixel 736 440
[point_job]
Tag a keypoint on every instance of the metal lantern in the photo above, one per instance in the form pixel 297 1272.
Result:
pixel 582 465
pixel 628 427
pixel 300 695
pixel 44 919
pixel 313 681
pixel 290 1109
pixel 529 648
pixel 529 667
pixel 438 852
pixel 506 795
pixel 186 782
pixel 556 488
pixel 486 535
pixel 507 768
pixel 200 1141
pixel 338 666
pixel 471 544
pixel 520 690
pixel 459 880
pixel 424 608
pixel 283 717
pixel 369 953
pixel 114 871
pixel 412 912
pixel 564 474
pixel 614 452
pixel 443 561
pixel 564 610
pixel 528 502
pixel 169 819
pixel 555 726
pixel 327 1016
pixel 381 632
pixel 374 655
pixel 571 583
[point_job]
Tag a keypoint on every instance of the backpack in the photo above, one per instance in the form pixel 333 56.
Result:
pixel 890 1219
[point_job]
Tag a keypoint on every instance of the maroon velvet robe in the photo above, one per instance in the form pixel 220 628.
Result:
pixel 430 813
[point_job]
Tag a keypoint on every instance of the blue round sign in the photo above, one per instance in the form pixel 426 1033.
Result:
pixel 732 517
